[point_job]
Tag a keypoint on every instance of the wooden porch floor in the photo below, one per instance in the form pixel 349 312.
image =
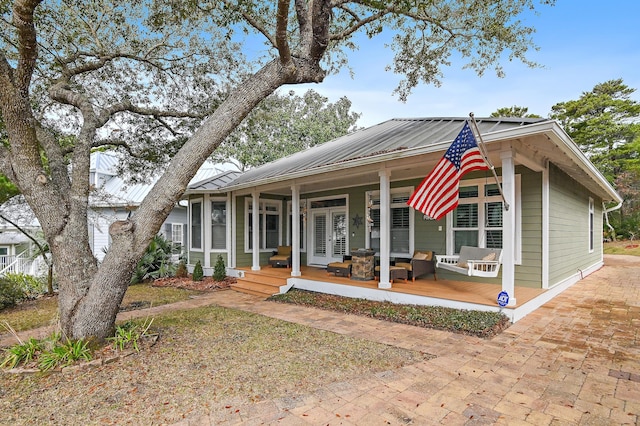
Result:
pixel 469 292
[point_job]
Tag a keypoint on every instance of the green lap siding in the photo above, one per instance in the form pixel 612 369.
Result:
pixel 569 228
pixel 529 272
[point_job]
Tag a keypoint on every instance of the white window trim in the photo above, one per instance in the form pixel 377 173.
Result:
pixel 209 234
pixel 248 204
pixel 481 182
pixel 591 241
pixel 376 195
pixel 174 226
pixel 202 236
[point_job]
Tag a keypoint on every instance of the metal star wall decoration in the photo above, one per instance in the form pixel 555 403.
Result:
pixel 357 220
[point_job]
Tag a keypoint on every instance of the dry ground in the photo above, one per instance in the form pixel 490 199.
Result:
pixel 205 358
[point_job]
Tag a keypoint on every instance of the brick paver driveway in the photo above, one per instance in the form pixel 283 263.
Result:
pixel 576 360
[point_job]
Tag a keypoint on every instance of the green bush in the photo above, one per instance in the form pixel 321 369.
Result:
pixel 219 270
pixel 156 261
pixel 198 274
pixel 12 290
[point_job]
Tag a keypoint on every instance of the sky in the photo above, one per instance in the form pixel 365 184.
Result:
pixel 582 43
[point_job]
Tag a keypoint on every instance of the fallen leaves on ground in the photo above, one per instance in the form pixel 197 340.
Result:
pixel 205 359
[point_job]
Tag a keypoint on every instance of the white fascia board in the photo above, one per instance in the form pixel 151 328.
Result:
pixel 563 141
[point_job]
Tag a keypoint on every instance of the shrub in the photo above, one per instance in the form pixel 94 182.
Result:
pixel 181 272
pixel 156 261
pixel 11 291
pixel 198 274
pixel 219 270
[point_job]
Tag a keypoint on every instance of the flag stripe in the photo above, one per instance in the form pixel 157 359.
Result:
pixel 438 193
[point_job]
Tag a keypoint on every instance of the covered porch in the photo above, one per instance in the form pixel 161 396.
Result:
pixel 423 291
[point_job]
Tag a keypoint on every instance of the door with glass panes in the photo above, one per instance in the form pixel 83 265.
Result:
pixel 328 235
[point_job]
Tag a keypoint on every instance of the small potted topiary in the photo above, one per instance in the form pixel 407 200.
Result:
pixel 197 272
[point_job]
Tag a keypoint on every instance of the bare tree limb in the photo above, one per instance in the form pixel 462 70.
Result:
pixel 282 22
pixel 23 11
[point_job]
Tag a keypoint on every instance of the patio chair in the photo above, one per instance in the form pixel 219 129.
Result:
pixel 282 257
pixel 421 263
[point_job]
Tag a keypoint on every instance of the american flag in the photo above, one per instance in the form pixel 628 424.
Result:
pixel 437 195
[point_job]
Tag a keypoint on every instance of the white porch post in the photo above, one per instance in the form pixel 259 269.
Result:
pixel 231 230
pixel 255 225
pixel 206 227
pixel 508 225
pixel 295 231
pixel 385 234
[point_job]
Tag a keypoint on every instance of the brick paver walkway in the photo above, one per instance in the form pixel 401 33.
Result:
pixel 576 360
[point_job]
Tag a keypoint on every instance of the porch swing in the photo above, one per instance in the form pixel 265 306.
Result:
pixel 472 261
pixel 476 261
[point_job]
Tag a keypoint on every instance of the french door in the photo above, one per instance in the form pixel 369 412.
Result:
pixel 328 235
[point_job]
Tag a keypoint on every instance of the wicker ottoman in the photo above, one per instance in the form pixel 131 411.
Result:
pixel 395 273
pixel 340 269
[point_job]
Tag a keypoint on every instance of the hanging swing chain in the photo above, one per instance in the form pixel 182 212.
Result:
pixel 485 154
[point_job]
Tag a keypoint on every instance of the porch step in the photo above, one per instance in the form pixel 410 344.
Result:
pixel 260 283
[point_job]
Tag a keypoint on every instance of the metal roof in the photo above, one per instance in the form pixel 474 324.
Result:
pixel 213 183
pixel 393 135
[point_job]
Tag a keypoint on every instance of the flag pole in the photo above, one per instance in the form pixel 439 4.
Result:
pixel 485 154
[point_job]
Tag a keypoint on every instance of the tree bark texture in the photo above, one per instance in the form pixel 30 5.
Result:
pixel 90 295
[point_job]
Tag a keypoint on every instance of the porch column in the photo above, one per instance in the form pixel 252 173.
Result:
pixel 231 230
pixel 255 225
pixel 206 228
pixel 385 234
pixel 295 231
pixel 508 225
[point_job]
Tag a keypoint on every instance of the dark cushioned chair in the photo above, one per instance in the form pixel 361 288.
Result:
pixel 282 257
pixel 421 263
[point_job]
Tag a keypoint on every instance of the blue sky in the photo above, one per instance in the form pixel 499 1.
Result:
pixel 582 43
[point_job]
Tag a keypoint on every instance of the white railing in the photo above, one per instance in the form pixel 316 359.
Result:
pixel 20 264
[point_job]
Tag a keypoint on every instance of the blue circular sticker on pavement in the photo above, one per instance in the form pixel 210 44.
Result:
pixel 503 298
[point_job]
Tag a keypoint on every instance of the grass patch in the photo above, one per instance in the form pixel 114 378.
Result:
pixel 43 311
pixel 475 323
pixel 206 359
pixel 623 247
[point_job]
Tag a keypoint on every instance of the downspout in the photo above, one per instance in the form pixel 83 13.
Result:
pixel 606 211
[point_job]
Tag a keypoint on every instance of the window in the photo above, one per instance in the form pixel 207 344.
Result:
pixel 196 224
pixel 176 234
pixel 219 225
pixel 268 222
pixel 591 224
pixel 173 233
pixel 399 219
pixel 477 221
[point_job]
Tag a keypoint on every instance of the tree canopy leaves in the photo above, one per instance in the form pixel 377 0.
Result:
pixel 514 111
pixel 283 124
pixel 605 123
pixel 168 82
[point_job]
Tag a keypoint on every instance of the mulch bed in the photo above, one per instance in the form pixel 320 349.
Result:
pixel 207 283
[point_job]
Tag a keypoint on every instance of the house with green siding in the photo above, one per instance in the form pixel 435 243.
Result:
pixel 543 210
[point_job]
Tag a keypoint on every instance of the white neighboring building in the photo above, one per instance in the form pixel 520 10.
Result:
pixel 17 251
pixel 115 199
